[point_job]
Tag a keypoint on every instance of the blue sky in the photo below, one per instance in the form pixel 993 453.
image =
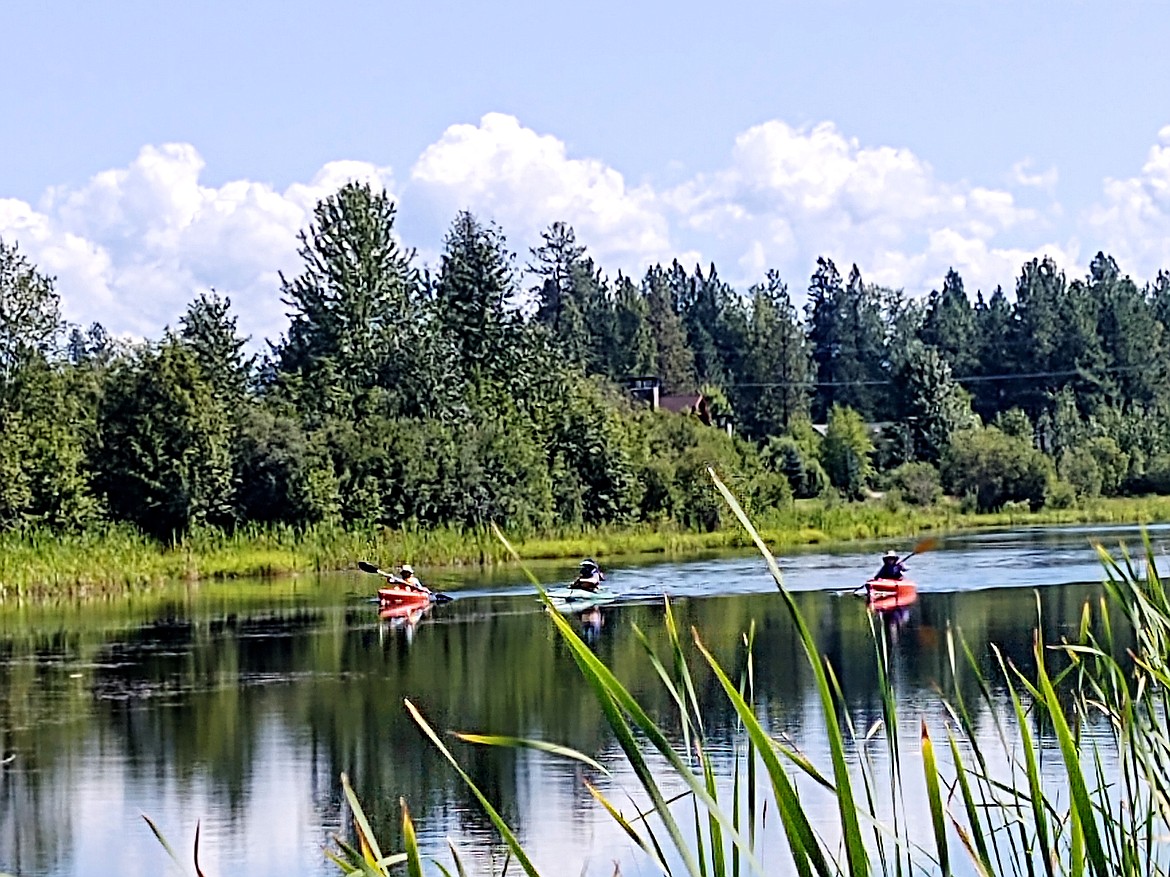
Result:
pixel 152 151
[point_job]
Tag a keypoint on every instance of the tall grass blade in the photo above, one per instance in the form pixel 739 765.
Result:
pixel 653 851
pixel 934 797
pixel 806 851
pixel 856 855
pixel 366 840
pixel 195 852
pixel 1082 806
pixel 976 836
pixel 165 844
pixel 611 691
pixel 456 858
pixel 506 833
pixel 527 743
pixel 410 842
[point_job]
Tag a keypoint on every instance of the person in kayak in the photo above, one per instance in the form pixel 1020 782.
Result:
pixel 589 576
pixel 892 568
pixel 408 578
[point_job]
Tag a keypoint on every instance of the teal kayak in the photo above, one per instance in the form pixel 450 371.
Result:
pixel 566 599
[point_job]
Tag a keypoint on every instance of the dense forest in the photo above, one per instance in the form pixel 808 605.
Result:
pixel 405 398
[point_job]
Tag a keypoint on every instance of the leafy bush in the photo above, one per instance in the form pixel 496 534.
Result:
pixel 917 483
pixel 995 468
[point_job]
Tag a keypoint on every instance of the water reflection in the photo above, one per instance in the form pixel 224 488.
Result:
pixel 200 705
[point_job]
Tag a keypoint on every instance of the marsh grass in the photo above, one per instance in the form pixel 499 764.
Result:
pixel 1100 701
pixel 38 564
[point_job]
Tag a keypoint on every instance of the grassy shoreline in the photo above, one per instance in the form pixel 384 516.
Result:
pixel 38 566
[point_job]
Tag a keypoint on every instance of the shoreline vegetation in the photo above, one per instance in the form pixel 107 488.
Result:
pixel 40 566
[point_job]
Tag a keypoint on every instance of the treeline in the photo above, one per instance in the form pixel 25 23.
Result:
pixel 406 398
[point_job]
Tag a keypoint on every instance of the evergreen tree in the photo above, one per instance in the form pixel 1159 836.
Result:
pixel 1037 335
pixel 633 352
pixel 209 330
pixel 995 390
pixel 676 362
pixel 949 326
pixel 936 406
pixel 1131 339
pixel 824 301
pixel 356 323
pixel 556 263
pixel 475 288
pixel 847 330
pixel 777 372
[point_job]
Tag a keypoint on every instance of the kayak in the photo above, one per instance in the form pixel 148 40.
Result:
pixel 395 596
pixel 883 595
pixel 877 588
pixel 568 599
pixel 890 602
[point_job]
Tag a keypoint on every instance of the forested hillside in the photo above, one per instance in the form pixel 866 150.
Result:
pixel 404 398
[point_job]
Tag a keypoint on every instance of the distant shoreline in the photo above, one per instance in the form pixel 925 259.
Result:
pixel 37 567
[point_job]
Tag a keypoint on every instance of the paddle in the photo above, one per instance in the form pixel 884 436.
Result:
pixel 436 596
pixel 922 545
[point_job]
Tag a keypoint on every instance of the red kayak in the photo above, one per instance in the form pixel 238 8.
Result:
pixel 890 593
pixel 890 602
pixel 889 587
pixel 396 596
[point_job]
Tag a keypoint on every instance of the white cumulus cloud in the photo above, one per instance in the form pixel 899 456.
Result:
pixel 134 245
pixel 1132 221
pixel 789 195
pixel 525 181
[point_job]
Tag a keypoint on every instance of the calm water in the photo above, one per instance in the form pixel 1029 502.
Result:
pixel 240 713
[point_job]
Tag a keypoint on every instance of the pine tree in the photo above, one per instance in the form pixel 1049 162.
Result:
pixel 777 370
pixel 472 296
pixel 949 325
pixel 676 362
pixel 356 321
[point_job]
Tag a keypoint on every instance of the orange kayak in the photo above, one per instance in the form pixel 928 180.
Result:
pixel 889 602
pixel 876 588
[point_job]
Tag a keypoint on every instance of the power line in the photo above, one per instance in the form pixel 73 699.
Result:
pixel 1007 376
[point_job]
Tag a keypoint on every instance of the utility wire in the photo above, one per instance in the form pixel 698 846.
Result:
pixel 970 379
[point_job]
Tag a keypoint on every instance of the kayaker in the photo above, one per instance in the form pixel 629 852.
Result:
pixel 408 578
pixel 589 576
pixel 892 568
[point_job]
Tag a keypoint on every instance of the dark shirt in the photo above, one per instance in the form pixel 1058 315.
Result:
pixel 891 569
pixel 590 582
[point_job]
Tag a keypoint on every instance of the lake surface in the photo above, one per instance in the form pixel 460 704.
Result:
pixel 238 707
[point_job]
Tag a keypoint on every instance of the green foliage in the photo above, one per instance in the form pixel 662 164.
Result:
pixel 282 474
pixel 995 468
pixel 675 359
pixel 1079 470
pixel 917 483
pixel 165 460
pixel 355 319
pixel 846 451
pixel 786 456
pixel 209 330
pixel 935 405
pixel 1015 422
pixel 439 402
pixel 30 318
pixel 777 367
pixel 849 344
